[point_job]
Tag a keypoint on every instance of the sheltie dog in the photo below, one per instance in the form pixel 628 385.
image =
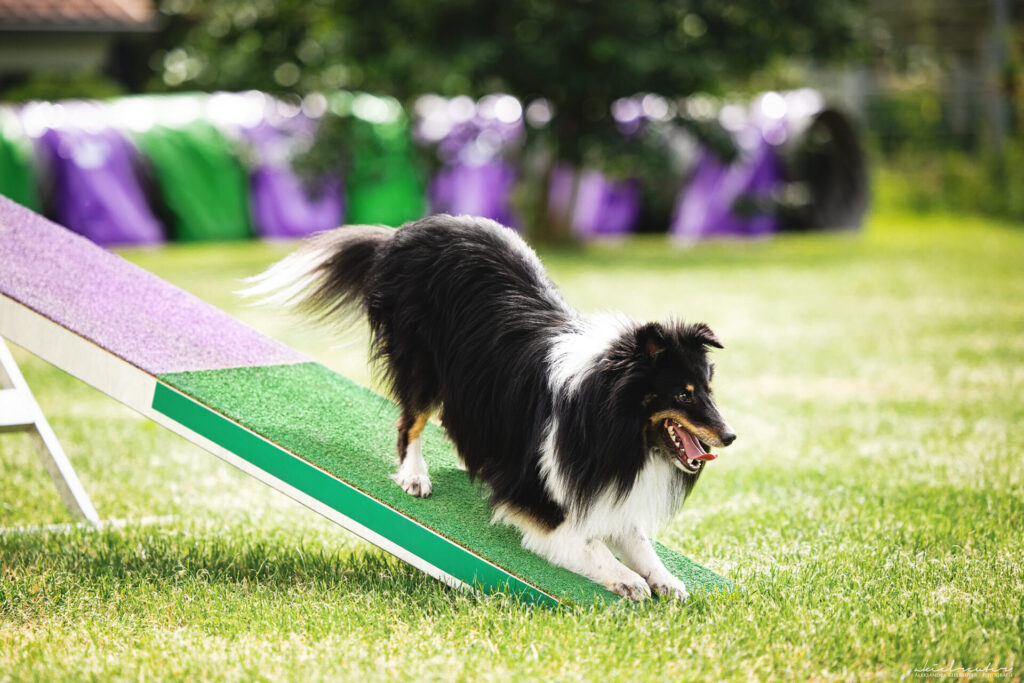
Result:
pixel 589 430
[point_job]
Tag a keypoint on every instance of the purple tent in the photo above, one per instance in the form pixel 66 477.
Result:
pixel 97 191
pixel 707 204
pixel 282 204
pixel 602 207
pixel 475 178
pixel 474 190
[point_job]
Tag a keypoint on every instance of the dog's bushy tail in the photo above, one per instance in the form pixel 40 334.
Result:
pixel 327 276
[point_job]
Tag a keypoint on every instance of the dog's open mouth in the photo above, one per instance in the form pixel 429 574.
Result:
pixel 690 452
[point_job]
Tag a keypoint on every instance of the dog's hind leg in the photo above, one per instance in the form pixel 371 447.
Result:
pixel 412 473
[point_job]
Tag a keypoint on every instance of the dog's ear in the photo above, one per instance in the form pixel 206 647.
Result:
pixel 651 341
pixel 702 334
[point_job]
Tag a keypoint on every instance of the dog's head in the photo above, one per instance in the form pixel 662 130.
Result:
pixel 666 375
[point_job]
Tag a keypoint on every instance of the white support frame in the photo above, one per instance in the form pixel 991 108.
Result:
pixel 20 412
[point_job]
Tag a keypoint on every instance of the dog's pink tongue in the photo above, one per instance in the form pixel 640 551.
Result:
pixel 694 451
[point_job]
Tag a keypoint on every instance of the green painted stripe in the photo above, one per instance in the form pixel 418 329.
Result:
pixel 342 497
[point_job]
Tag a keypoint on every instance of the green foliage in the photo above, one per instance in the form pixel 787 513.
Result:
pixel 955 180
pixel 579 55
pixel 907 120
pixel 53 85
pixel 275 46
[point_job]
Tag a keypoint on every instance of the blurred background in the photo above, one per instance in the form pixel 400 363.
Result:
pixel 140 121
pixel 832 185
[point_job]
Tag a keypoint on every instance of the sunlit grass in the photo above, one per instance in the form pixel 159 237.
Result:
pixel 872 507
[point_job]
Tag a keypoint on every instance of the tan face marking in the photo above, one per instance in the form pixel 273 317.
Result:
pixel 703 433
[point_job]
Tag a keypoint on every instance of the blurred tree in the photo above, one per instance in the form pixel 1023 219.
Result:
pixel 581 55
pixel 578 55
pixel 285 46
pixel 52 85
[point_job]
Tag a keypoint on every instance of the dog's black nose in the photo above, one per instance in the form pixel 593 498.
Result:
pixel 727 438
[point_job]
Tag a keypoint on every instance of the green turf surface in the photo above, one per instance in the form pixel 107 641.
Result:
pixel 347 430
pixel 871 509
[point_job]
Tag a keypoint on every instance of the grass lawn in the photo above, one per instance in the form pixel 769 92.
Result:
pixel 871 507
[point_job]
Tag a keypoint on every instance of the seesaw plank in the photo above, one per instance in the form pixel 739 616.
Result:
pixel 137 389
pixel 266 409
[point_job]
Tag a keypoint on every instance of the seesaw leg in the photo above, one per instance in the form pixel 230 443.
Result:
pixel 19 412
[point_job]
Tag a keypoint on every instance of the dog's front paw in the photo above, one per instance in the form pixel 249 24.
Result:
pixel 668 586
pixel 631 589
pixel 414 484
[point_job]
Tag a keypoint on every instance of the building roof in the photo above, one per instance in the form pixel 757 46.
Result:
pixel 76 15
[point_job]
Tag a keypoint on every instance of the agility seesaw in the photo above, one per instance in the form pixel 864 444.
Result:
pixel 265 408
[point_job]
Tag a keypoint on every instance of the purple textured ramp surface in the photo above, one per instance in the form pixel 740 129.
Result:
pixel 130 312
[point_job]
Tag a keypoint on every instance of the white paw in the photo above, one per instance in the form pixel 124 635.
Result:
pixel 631 589
pixel 667 586
pixel 414 484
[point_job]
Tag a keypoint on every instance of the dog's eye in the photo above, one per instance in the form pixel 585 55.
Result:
pixel 684 397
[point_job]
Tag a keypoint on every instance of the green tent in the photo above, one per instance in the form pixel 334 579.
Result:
pixel 384 183
pixel 201 181
pixel 17 171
